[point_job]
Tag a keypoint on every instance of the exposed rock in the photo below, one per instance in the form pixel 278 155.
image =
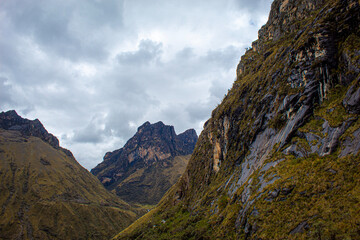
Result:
pixel 146 167
pixel 330 143
pixel 300 228
pixel 287 190
pixel 352 100
pixel 351 145
pixel 273 194
pixel 293 149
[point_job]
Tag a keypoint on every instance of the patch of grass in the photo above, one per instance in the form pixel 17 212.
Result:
pixel 327 201
pixel 314 125
pixel 332 109
pixel 223 201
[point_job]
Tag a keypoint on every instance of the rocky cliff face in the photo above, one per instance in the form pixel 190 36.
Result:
pixel 46 194
pixel 279 157
pixel 149 163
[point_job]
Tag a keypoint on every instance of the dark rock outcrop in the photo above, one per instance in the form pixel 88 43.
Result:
pixel 150 151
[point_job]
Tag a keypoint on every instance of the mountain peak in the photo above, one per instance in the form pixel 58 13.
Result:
pixel 153 146
pixel 158 127
pixel 9 114
pixel 144 125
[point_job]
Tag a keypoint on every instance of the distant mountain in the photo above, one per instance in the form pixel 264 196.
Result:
pixel 46 194
pixel 280 156
pixel 149 163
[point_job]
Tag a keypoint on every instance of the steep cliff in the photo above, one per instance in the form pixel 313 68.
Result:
pixel 46 194
pixel 149 163
pixel 279 157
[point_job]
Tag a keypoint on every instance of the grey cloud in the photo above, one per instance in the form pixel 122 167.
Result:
pixel 88 135
pixel 93 132
pixel 253 5
pixel 198 111
pixel 5 93
pixel 148 52
pixel 26 110
pixel 185 54
pixel 65 28
pixel 118 121
pixel 9 57
pixel 224 57
pixel 218 89
pixel 142 91
pixel 124 100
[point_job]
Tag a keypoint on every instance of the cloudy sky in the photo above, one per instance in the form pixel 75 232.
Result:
pixel 92 71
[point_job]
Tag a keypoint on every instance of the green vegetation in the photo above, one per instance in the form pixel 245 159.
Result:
pixel 326 196
pixel 332 109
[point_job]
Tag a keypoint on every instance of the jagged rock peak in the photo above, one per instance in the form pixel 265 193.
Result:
pixel 158 128
pixel 185 142
pixel 155 142
pixel 147 123
pixel 154 148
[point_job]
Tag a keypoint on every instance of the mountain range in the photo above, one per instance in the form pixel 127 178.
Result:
pixel 279 158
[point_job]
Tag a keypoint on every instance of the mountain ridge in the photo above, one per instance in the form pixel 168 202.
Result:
pixel 279 156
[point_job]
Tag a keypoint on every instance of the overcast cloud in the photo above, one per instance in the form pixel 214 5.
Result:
pixel 93 71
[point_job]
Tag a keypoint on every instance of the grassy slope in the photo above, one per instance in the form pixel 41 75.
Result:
pixel 319 193
pixel 47 195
